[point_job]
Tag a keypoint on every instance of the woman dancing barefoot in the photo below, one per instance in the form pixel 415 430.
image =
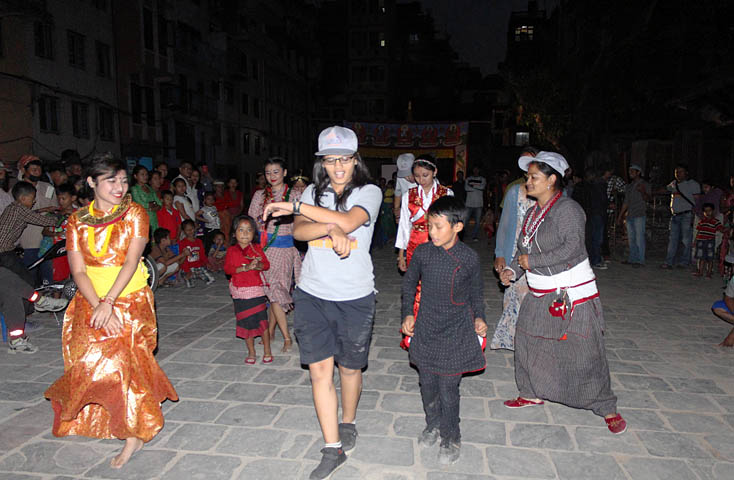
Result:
pixel 112 387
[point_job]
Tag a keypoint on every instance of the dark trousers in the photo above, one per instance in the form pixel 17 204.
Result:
pixel 14 294
pixel 440 395
pixel 11 261
pixel 597 238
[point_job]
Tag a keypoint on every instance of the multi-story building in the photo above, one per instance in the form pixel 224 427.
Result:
pixel 57 75
pixel 272 54
pixel 358 41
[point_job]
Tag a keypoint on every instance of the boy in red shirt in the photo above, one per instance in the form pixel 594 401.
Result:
pixel 169 218
pixel 195 263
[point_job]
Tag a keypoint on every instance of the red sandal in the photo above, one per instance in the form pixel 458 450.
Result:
pixel 267 359
pixel 250 360
pixel 520 402
pixel 617 425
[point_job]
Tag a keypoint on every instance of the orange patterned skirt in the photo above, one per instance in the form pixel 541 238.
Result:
pixel 112 387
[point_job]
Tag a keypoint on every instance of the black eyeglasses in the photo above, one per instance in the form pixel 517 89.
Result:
pixel 333 160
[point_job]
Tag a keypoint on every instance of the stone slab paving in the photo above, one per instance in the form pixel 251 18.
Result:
pixel 675 387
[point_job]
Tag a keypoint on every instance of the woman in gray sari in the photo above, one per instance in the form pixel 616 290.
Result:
pixel 559 340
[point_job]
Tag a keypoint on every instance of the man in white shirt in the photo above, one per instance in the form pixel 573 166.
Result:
pixel 404 182
pixel 475 186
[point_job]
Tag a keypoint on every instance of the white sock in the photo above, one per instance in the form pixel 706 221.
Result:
pixel 333 445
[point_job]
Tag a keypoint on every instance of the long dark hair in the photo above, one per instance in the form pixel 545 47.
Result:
pixel 360 178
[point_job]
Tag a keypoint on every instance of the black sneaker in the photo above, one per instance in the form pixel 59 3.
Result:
pixel 332 458
pixel 449 452
pixel 428 437
pixel 348 436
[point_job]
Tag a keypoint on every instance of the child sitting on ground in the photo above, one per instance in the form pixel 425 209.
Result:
pixel 166 261
pixel 451 315
pixel 706 240
pixel 217 252
pixel 245 261
pixel 169 218
pixel 194 264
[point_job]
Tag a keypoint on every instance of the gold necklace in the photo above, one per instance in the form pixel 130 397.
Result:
pixel 107 233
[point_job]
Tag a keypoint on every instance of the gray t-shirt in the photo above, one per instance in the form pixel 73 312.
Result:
pixel 689 188
pixel 636 205
pixel 324 274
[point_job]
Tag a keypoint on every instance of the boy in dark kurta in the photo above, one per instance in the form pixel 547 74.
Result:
pixel 444 336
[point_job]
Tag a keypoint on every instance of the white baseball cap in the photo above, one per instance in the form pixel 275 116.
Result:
pixel 337 140
pixel 405 164
pixel 554 160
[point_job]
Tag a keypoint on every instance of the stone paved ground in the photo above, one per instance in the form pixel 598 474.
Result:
pixel 675 388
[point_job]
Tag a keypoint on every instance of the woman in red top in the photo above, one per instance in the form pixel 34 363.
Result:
pixel 234 197
pixel 222 202
pixel 244 262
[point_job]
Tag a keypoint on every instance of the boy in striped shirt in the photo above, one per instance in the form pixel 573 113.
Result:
pixel 706 240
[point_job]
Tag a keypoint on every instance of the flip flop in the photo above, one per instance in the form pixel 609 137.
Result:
pixel 267 359
pixel 252 360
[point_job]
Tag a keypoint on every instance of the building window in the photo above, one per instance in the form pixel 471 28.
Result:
pixel 230 137
pixel 76 49
pixel 258 147
pixel 48 114
pixel 104 68
pixel 106 125
pixel 243 64
pixel 80 119
pixel 43 37
pixel 148 29
pixel 215 89
pixel 377 74
pixel 383 42
pixel 359 107
pixel 414 38
pixel 245 104
pixel 524 33
pixel 163 40
pixel 522 138
pixel 149 107
pixel 229 93
pixel 256 107
pixel 136 103
pixel 246 143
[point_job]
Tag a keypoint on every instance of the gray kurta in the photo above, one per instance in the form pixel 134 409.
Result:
pixel 572 371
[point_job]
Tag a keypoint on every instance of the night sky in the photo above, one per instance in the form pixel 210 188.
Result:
pixel 478 28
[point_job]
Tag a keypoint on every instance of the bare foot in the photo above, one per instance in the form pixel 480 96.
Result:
pixel 287 343
pixel 132 445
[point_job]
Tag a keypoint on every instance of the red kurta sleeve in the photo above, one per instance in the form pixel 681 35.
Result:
pixel 231 261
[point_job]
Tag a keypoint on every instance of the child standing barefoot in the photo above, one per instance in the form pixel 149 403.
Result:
pixel 450 317
pixel 245 261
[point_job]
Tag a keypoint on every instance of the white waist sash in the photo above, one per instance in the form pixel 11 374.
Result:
pixel 579 283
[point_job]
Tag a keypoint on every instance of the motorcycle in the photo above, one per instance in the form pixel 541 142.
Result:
pixel 68 287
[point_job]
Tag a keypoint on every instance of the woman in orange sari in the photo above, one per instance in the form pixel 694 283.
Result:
pixel 112 387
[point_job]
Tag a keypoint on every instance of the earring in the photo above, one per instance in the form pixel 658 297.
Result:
pixel 547 187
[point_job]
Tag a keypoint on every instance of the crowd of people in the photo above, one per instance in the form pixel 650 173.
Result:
pixel 304 248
